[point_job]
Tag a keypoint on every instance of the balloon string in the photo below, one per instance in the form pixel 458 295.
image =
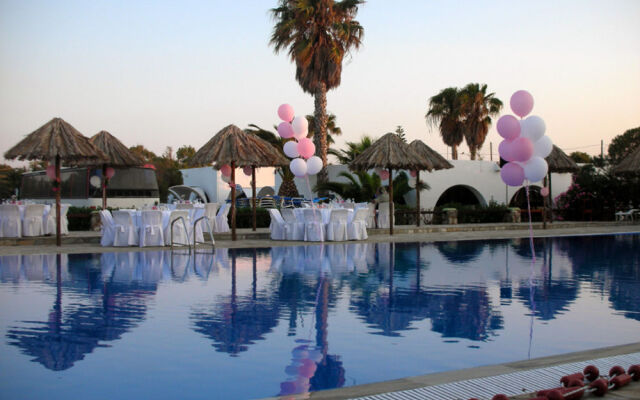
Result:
pixel 531 273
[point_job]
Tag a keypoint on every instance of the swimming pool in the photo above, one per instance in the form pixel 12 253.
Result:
pixel 261 322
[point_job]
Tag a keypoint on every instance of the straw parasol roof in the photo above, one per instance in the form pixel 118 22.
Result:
pixel 559 162
pixel 435 160
pixel 389 152
pixel 56 138
pixel 232 144
pixel 118 154
pixel 630 164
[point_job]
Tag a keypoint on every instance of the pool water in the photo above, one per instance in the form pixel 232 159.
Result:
pixel 254 323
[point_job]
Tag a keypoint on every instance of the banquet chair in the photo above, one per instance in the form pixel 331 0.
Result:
pixel 293 229
pixel 49 220
pixel 126 233
pixel 267 202
pixel 383 215
pixel 178 232
pixel 357 228
pixel 10 224
pixel 32 222
pixel 371 215
pixel 337 226
pixel 277 225
pixel 184 206
pixel 210 210
pixel 313 226
pixel 151 233
pixel 222 221
pixel 108 228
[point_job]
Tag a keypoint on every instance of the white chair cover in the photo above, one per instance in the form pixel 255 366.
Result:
pixel 371 215
pixel 210 210
pixel 222 221
pixel 49 220
pixel 108 228
pixel 357 228
pixel 313 226
pixel 293 229
pixel 277 225
pixel 337 226
pixel 126 233
pixel 180 235
pixel 32 222
pixel 383 215
pixel 151 233
pixel 10 224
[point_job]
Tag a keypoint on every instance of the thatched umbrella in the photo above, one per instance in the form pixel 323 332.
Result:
pixel 558 162
pixel 56 140
pixel 630 164
pixel 389 152
pixel 436 162
pixel 118 156
pixel 237 148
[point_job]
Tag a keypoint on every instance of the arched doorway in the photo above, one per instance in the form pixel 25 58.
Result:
pixel 519 198
pixel 461 194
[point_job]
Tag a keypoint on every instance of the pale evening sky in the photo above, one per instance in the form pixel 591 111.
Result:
pixel 169 73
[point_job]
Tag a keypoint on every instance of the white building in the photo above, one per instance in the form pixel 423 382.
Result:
pixel 478 178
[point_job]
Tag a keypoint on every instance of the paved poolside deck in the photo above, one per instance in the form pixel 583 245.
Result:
pixel 88 242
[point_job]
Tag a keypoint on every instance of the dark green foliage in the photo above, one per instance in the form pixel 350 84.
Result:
pixel 623 145
pixel 9 180
pixel 244 217
pixel 472 214
pixel 580 157
pixel 79 218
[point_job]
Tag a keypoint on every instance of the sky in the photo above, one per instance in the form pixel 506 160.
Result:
pixel 173 73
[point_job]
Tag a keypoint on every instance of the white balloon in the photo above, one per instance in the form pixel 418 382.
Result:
pixel 95 181
pixel 291 149
pixel 299 167
pixel 300 127
pixel 535 169
pixel 532 127
pixel 542 147
pixel 225 178
pixel 314 165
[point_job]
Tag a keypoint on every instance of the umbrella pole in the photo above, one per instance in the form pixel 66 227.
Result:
pixel 104 186
pixel 417 198
pixel 58 238
pixel 544 206
pixel 233 201
pixel 390 201
pixel 253 190
pixel 550 200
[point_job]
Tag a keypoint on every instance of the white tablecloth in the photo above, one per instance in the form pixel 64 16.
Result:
pixel 325 212
pixel 194 213
pixel 23 207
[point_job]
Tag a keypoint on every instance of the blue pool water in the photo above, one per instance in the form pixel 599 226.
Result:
pixel 255 323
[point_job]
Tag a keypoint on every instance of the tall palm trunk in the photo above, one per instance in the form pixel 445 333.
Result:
pixel 473 151
pixel 320 138
pixel 454 152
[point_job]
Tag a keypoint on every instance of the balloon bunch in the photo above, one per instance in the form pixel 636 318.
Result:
pixel 525 145
pixel 51 174
pixel 225 172
pixel 384 174
pixel 300 148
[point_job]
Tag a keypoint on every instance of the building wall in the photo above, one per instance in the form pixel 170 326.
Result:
pixel 481 177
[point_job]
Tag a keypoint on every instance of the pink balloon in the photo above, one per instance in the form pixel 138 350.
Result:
pixel 505 150
pixel 521 103
pixel 51 172
pixel 247 171
pixel 306 148
pixel 110 172
pixel 508 127
pixel 225 170
pixel 522 149
pixel 285 130
pixel 413 173
pixel 384 174
pixel 285 112
pixel 512 174
pixel 308 368
pixel 544 192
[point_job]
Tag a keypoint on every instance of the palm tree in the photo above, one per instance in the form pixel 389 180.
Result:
pixel 332 129
pixel 317 34
pixel 445 111
pixel 353 149
pixel 288 186
pixel 362 186
pixel 477 108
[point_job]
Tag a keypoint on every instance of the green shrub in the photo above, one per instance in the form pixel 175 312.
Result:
pixel 244 217
pixel 79 218
pixel 472 214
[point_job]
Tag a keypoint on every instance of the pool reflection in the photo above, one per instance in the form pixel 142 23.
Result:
pixel 459 291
